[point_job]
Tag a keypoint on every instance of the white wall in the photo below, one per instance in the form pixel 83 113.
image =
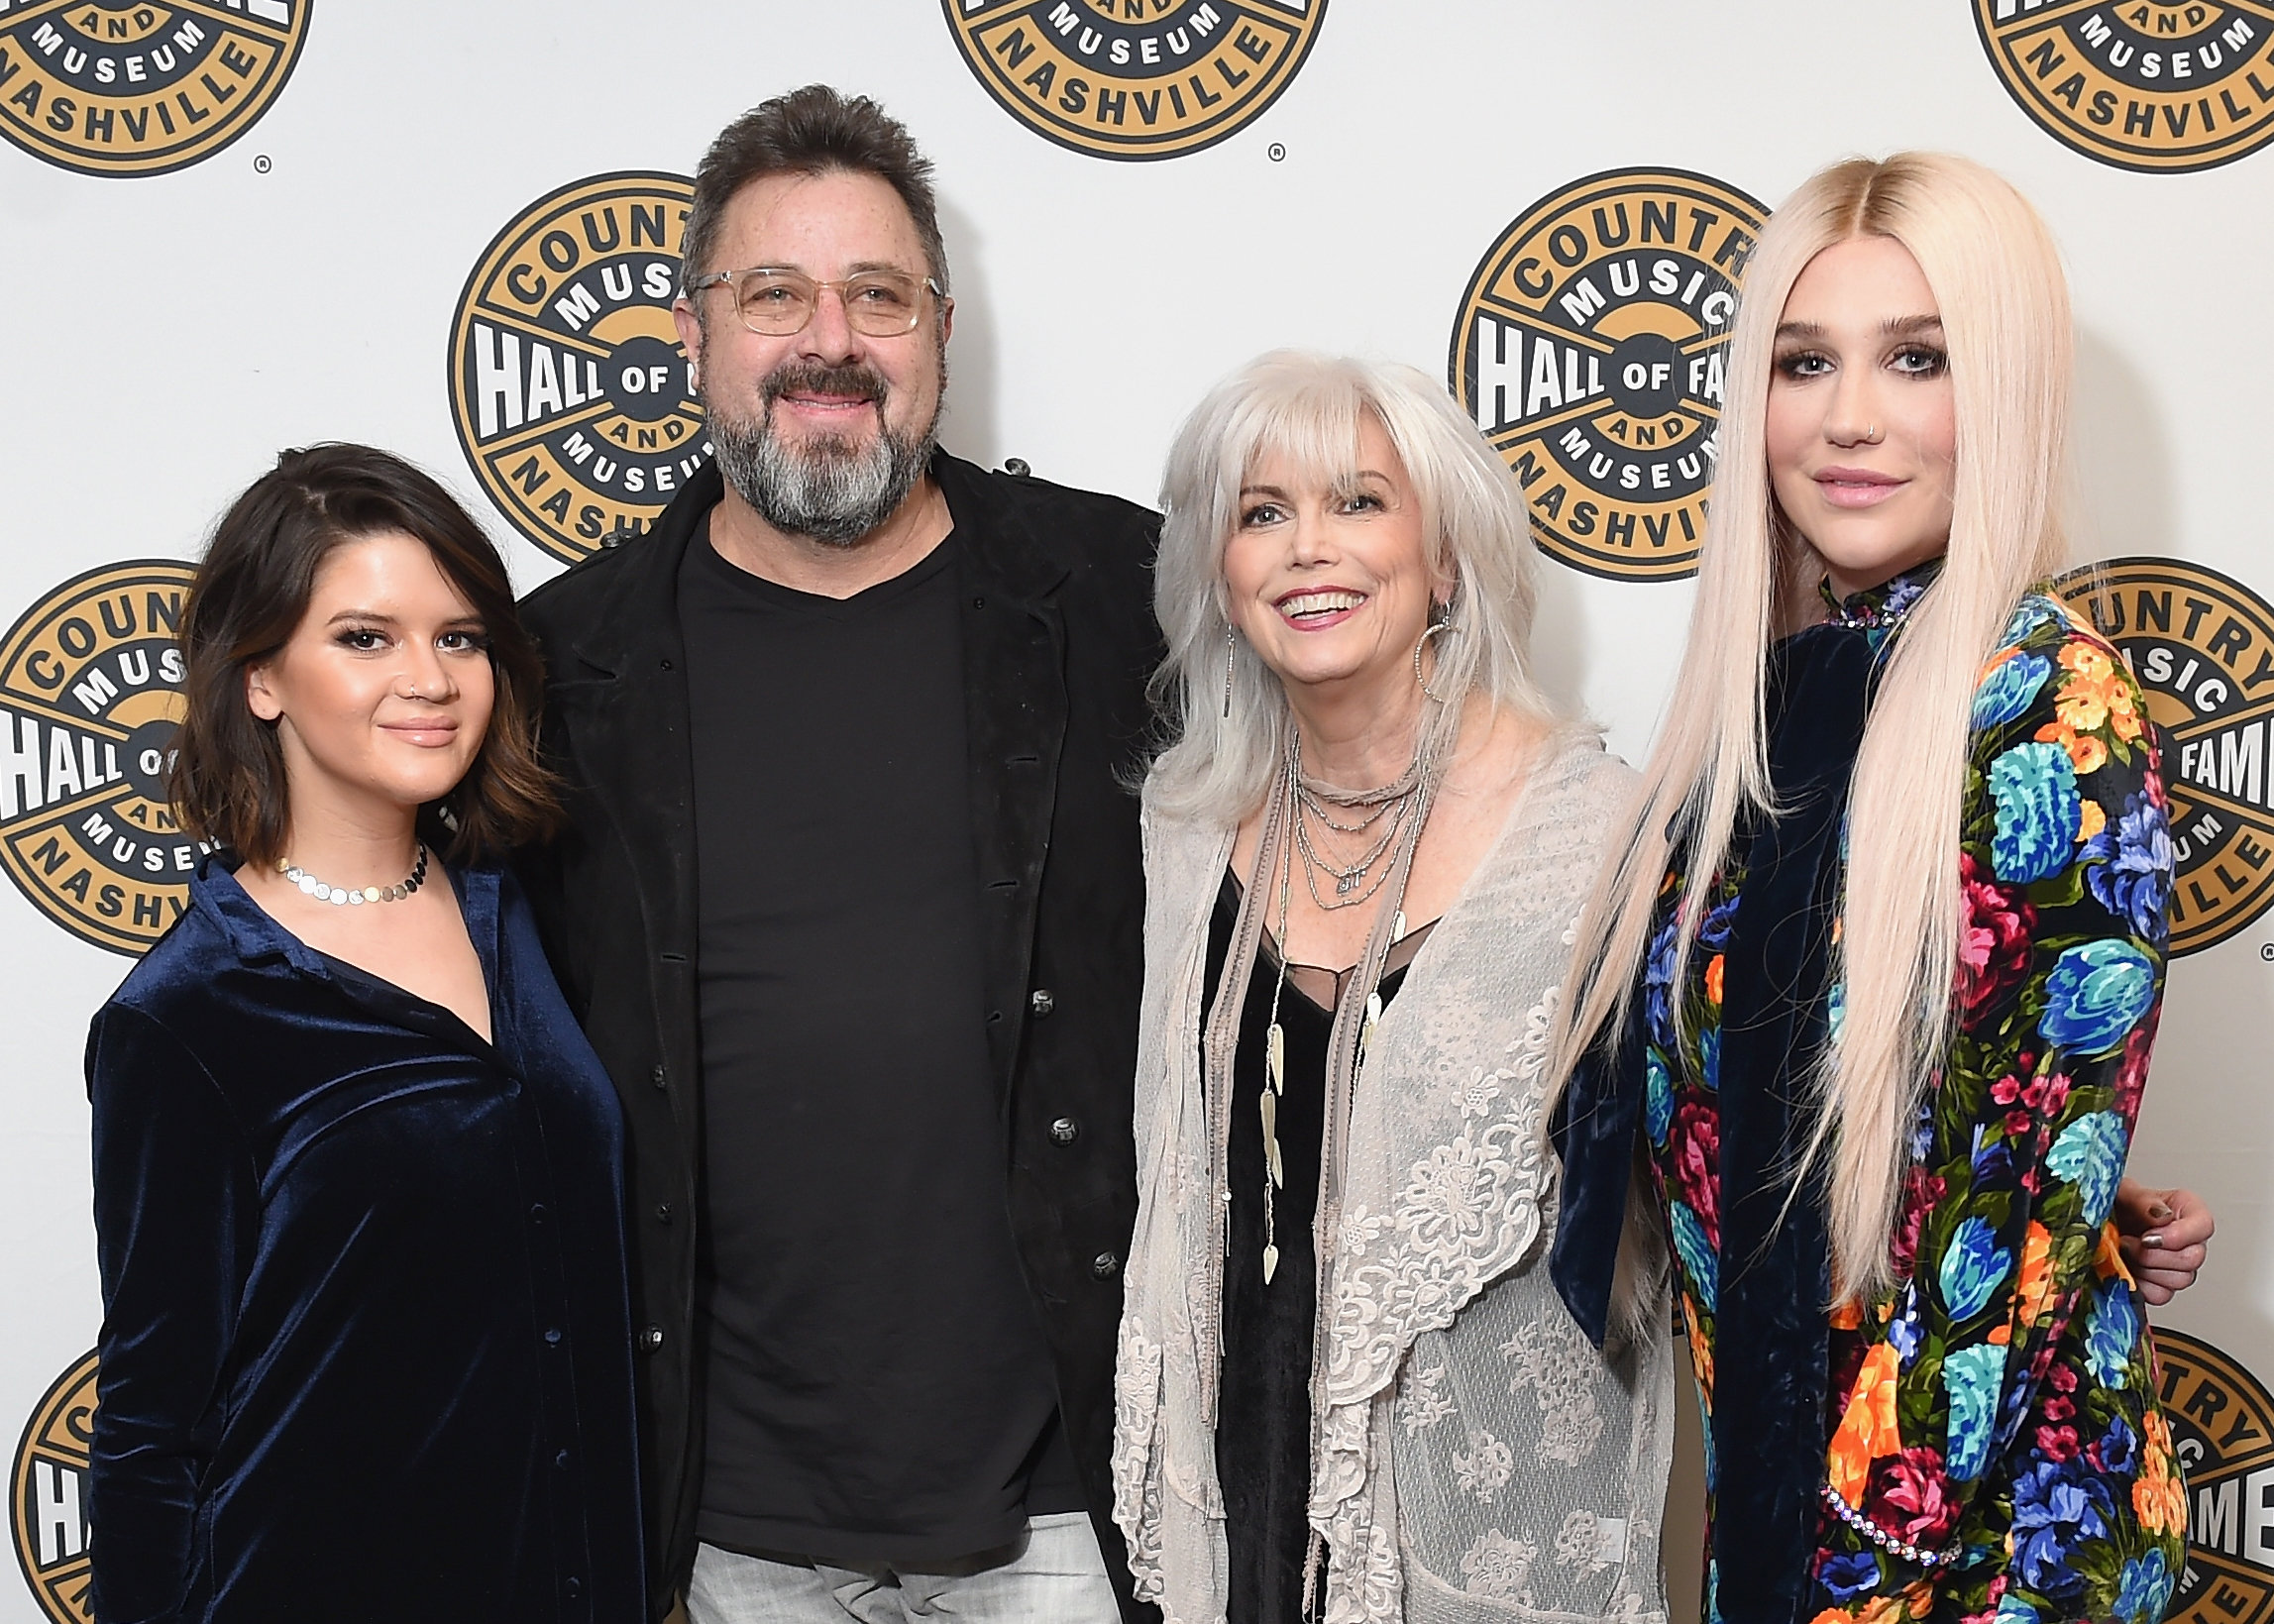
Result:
pixel 165 336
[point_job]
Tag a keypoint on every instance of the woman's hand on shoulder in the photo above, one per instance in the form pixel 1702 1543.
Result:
pixel 2165 1236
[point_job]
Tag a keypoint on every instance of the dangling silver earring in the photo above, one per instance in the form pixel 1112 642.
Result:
pixel 1440 619
pixel 1230 647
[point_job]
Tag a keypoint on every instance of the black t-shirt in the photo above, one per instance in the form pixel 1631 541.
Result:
pixel 877 1383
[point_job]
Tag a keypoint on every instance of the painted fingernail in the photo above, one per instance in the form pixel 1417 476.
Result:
pixel 2160 1212
pixel 2151 1239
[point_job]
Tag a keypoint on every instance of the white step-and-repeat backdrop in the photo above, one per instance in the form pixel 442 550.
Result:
pixel 230 226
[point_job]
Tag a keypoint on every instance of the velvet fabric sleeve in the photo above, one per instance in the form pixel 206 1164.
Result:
pixel 1999 1448
pixel 176 1216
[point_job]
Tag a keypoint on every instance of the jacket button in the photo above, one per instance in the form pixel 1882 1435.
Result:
pixel 1104 1266
pixel 650 1338
pixel 553 1337
pixel 571 1586
pixel 663 1213
pixel 1041 1001
pixel 1065 1131
pixel 656 1077
pixel 1016 467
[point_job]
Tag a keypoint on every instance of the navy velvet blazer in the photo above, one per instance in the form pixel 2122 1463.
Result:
pixel 366 1345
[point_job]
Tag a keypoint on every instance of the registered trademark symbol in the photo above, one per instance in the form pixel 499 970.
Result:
pixel 1277 153
pixel 261 164
pixel 2266 952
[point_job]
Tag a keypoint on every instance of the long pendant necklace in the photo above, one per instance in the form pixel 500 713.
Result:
pixel 1391 800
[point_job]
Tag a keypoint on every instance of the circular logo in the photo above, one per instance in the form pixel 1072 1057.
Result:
pixel 90 690
pixel 2222 1430
pixel 2143 86
pixel 2202 645
pixel 567 380
pixel 116 87
pixel 1588 348
pixel 1134 78
pixel 51 1496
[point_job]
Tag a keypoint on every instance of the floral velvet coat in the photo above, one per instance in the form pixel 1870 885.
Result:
pixel 1994 1447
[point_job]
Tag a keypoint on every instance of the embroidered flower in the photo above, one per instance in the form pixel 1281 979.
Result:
pixel 1485 1469
pixel 1910 1496
pixel 1360 1228
pixel 1696 1149
pixel 2111 1333
pixel 1868 1428
pixel 2090 1154
pixel 1658 1094
pixel 2132 1076
pixel 1579 1541
pixel 1849 1575
pixel 2038 812
pixel 2117 1447
pixel 2144 1590
pixel 1697 1257
pixel 1920 1191
pixel 2028 614
pixel 2096 693
pixel 2057 1506
pixel 2130 868
pixel 2037 1283
pixel 2012 682
pixel 1971 1377
pixel 2159 1497
pixel 1994 943
pixel 2095 993
pixel 1658 983
pixel 1421 1399
pixel 1497 1566
pixel 1973 1268
pixel 2087 754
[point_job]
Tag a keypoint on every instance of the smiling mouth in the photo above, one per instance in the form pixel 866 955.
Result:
pixel 1314 607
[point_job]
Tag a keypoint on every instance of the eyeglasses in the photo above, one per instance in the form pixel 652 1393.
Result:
pixel 778 302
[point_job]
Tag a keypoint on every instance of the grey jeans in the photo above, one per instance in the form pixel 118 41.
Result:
pixel 1053 1575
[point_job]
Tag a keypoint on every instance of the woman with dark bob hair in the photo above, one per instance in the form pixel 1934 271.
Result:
pixel 366 1344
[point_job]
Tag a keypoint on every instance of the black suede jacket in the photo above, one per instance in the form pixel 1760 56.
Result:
pixel 1059 644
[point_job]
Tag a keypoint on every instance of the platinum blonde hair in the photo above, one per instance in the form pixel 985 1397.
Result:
pixel 1996 276
pixel 1309 409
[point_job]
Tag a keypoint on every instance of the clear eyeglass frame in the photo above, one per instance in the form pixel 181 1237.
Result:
pixel 887 319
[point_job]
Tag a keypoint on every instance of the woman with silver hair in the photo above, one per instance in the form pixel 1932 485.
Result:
pixel 1339 1346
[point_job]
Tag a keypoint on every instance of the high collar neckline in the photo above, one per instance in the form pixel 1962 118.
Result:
pixel 1880 607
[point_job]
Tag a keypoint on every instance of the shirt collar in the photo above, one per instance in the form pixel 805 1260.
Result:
pixel 1880 607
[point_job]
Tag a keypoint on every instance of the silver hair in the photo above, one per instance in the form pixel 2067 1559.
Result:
pixel 1309 409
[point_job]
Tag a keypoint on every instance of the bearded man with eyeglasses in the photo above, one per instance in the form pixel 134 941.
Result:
pixel 850 904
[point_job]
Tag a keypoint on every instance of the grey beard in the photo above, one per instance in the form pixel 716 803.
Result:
pixel 828 491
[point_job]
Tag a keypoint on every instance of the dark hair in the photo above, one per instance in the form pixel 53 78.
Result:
pixel 812 130
pixel 249 595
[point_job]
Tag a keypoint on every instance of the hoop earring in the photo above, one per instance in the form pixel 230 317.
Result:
pixel 1440 619
pixel 1230 647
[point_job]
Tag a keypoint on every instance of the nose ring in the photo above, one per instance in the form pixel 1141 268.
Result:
pixel 1871 434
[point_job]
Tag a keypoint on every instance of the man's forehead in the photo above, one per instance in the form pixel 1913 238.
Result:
pixel 837 215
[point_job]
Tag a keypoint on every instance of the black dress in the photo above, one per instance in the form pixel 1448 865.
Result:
pixel 1263 1413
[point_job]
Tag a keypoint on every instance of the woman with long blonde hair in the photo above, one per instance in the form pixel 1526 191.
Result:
pixel 1871 987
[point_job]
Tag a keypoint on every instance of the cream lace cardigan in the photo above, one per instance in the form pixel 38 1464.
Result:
pixel 1473 1457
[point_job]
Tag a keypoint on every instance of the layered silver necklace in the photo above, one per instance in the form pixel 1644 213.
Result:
pixel 1317 802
